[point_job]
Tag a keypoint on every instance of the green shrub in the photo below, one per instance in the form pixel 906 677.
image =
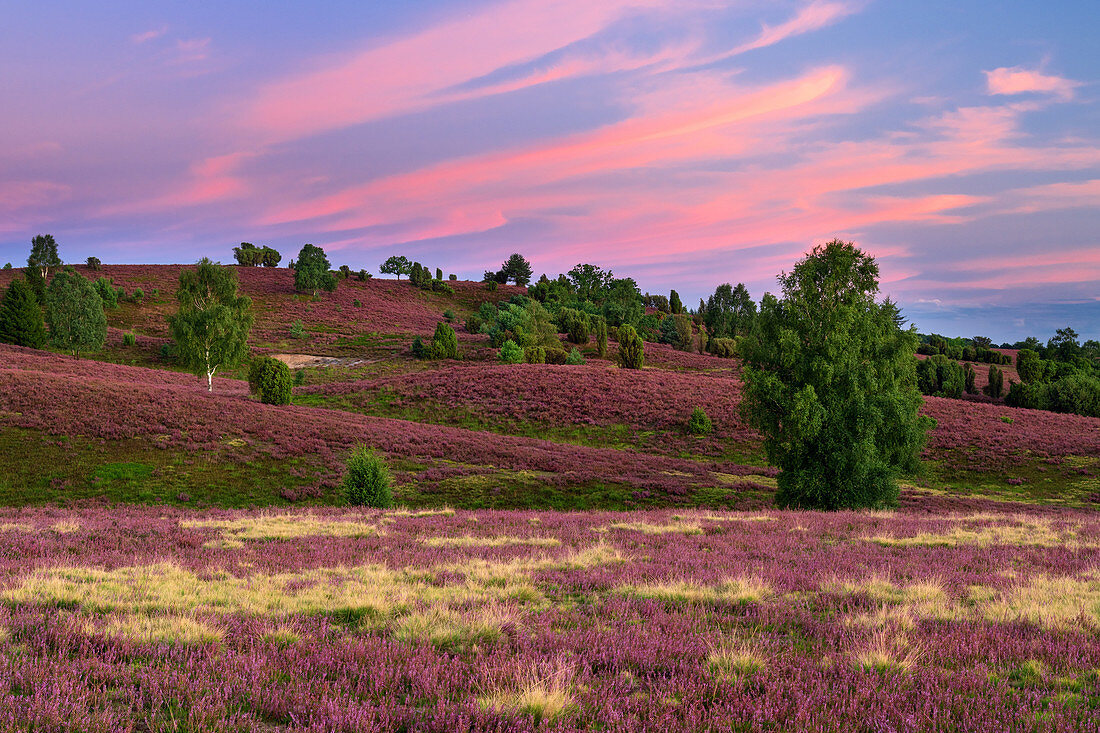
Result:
pixel 676 331
pixel 534 355
pixel 699 423
pixel 362 276
pixel 601 337
pixel 575 358
pixel 357 303
pixel 631 348
pixel 940 376
pixel 1029 366
pixel 449 315
pixel 21 317
pixel 129 339
pixel 367 480
pixel 169 351
pixel 574 324
pixel 444 342
pixel 490 285
pixel 969 375
pixel 297 330
pixel 440 286
pixel 419 350
pixel 473 323
pixel 452 277
pixel 556 356
pixel 511 352
pixel 107 292
pixel 94 263
pixel 270 380
pixel 996 382
pixel 1078 393
pixel 138 295
pixel 725 348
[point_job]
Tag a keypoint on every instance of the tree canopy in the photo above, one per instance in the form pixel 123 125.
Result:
pixel 212 324
pixel 729 312
pixel 312 271
pixel 830 381
pixel 44 254
pixel 249 255
pixel 21 317
pixel 74 313
pixel 517 269
pixel 396 265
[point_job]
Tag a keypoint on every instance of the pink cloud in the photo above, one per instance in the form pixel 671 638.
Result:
pixel 209 181
pixel 149 35
pixel 814 16
pixel 1018 80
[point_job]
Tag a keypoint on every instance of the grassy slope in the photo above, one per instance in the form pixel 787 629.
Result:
pixel 382 381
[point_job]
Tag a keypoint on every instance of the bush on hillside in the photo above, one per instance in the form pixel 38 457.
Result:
pixel 511 352
pixel 419 350
pixel 699 423
pixel 676 330
pixel 575 358
pixel 725 348
pixel 574 324
pixel 297 330
pixel 969 376
pixel 556 356
pixel 107 292
pixel 94 263
pixel 270 380
pixel 534 355
pixel 444 342
pixel 631 348
pixel 21 317
pixel 939 376
pixel 996 382
pixel 129 339
pixel 367 481
pixel 601 337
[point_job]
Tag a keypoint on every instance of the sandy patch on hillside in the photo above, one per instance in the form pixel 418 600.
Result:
pixel 300 361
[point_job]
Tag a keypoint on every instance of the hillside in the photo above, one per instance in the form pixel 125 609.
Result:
pixel 467 433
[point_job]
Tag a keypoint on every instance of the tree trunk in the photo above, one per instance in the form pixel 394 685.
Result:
pixel 210 381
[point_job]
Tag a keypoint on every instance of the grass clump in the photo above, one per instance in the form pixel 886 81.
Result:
pixel 543 697
pixel 367 481
pixel 730 662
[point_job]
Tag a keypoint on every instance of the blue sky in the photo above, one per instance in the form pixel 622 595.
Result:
pixel 682 143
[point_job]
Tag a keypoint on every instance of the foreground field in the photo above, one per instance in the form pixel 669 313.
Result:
pixel 161 619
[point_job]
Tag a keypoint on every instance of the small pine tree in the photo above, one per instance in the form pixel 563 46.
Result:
pixel 419 350
pixel 444 342
pixel 969 376
pixel 996 382
pixel 439 273
pixel 575 358
pixel 270 380
pixel 21 317
pixel 601 337
pixel 674 304
pixel 511 352
pixel 699 423
pixel 367 480
pixel 74 314
pixel 631 348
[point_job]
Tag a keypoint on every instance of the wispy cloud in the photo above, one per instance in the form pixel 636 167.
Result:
pixel 149 35
pixel 1019 80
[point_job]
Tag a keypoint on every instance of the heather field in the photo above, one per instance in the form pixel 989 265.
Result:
pixel 152 619
pixel 565 554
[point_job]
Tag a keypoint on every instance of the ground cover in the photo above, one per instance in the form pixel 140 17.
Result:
pixel 161 619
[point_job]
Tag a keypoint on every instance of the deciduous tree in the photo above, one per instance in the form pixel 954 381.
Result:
pixel 74 313
pixel 212 324
pixel 830 382
pixel 44 254
pixel 311 271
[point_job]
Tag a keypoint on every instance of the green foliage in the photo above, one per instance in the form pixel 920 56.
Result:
pixel 396 265
pixel 574 324
pixel 556 355
pixel 534 355
pixel 1063 346
pixel 444 342
pixel 362 276
pixel 699 423
pixel 521 320
pixel 7 265
pixel 345 272
pixel 297 329
pixel 357 303
pixel 995 387
pixel 622 303
pixel 601 336
pixel 677 331
pixel 367 481
pixel 439 286
pixel 270 380
pixel 43 254
pixel 21 317
pixel 419 350
pixel 138 295
pixel 311 271
pixel 517 269
pixel 449 315
pixel 74 313
pixel 473 323
pixel 212 324
pixel 729 312
pixel 511 352
pixel 830 382
pixel 93 263
pixel 674 304
pixel 590 283
pixel 249 255
pixel 37 283
pixel 631 348
pixel 940 377
pixel 725 348
pixel 452 277
pixel 575 358
pixel 969 377
pixel 129 339
pixel 1029 366
pixel 1076 393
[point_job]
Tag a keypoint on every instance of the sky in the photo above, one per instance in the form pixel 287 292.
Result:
pixel 682 143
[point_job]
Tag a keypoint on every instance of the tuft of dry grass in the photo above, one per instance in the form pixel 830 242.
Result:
pixel 731 590
pixel 730 661
pixel 284 527
pixel 158 629
pixel 887 653
pixel 545 697
pixel 650 528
